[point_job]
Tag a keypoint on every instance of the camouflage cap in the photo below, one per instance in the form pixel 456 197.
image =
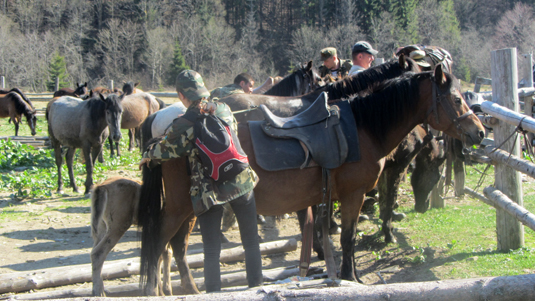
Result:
pixel 190 83
pixel 327 53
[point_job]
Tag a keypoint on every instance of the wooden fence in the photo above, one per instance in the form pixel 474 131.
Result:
pixel 505 154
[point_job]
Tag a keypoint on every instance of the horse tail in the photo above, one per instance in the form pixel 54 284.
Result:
pixel 99 200
pixel 161 103
pixel 149 214
pixel 146 132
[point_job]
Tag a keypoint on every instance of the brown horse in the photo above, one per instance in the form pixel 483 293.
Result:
pixel 136 108
pixel 106 91
pixel 13 105
pixel 81 91
pixel 114 205
pixel 384 118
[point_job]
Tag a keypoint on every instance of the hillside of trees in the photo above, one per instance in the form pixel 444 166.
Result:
pixel 150 41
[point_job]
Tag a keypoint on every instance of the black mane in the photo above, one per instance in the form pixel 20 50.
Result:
pixel 388 105
pixel 362 81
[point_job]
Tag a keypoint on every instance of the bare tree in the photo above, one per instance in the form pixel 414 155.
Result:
pixel 515 29
pixel 307 43
pixel 158 54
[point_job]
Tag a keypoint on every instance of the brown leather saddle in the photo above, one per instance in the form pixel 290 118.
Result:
pixel 316 130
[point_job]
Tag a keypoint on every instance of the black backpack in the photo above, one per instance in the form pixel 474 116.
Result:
pixel 219 148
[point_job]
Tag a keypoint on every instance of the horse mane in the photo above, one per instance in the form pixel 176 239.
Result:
pixel 281 88
pixel 367 79
pixel 21 106
pixel 390 103
pixel 18 91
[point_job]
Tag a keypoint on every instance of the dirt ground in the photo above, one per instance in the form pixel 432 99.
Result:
pixel 57 234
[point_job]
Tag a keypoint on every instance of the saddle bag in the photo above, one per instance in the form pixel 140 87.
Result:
pixel 220 151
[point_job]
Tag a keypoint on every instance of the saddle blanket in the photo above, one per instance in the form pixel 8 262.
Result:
pixel 274 154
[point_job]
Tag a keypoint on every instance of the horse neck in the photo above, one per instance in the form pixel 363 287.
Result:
pixel 389 115
pixel 288 86
pixel 97 113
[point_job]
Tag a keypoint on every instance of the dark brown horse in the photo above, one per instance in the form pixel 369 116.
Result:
pixel 75 123
pixel 81 91
pixel 12 105
pixel 383 119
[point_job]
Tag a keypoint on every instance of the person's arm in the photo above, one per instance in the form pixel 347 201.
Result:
pixel 177 143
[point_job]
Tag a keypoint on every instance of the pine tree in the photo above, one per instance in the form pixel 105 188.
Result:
pixel 178 65
pixel 57 69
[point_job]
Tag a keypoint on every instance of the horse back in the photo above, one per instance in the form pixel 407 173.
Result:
pixel 136 108
pixel 115 200
pixel 66 117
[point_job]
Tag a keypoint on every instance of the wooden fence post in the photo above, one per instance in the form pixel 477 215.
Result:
pixel 56 85
pixel 510 232
pixel 110 84
pixel 3 82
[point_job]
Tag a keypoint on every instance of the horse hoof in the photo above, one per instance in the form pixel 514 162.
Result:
pixel 363 217
pixel 59 191
pixel 398 216
pixel 260 219
pixel 335 230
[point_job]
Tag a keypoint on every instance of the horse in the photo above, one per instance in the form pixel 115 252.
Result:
pixel 13 105
pixel 75 123
pixel 383 119
pixel 105 91
pixel 17 90
pixel 114 205
pixel 136 108
pixel 81 91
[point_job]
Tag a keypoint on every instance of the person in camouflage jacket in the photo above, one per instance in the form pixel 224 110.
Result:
pixel 332 65
pixel 208 195
pixel 243 83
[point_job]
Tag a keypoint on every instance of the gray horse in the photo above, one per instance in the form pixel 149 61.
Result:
pixel 75 123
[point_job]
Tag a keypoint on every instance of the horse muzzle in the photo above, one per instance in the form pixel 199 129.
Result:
pixel 116 137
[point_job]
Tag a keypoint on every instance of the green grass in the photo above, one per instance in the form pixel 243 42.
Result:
pixel 464 234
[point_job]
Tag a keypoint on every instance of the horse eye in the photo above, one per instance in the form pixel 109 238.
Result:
pixel 458 100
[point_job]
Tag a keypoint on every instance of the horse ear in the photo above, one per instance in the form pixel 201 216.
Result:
pixel 77 85
pixel 85 84
pixel 102 97
pixel 440 77
pixel 403 61
pixel 136 84
pixel 309 66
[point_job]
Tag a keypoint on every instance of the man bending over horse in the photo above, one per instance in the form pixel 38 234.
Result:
pixel 209 195
pixel 243 83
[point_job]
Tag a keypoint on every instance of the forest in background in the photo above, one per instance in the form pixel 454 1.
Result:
pixel 150 41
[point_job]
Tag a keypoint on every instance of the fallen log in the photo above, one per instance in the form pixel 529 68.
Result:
pixel 28 280
pixel 132 289
pixel 507 288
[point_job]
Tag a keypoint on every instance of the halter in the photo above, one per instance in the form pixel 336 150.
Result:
pixel 438 98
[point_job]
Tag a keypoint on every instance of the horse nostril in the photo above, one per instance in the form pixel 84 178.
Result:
pixel 481 134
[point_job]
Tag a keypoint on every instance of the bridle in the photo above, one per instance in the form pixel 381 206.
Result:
pixel 310 78
pixel 440 98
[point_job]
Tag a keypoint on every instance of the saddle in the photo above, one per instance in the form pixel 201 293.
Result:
pixel 317 129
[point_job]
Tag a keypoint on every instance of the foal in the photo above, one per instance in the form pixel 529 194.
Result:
pixel 114 206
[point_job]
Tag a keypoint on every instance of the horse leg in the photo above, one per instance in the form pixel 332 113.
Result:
pixel 16 123
pixel 350 204
pixel 111 147
pixel 69 157
pixel 131 139
pixel 167 288
pixel 101 248
pixel 317 246
pixel 88 168
pixel 180 247
pixel 59 162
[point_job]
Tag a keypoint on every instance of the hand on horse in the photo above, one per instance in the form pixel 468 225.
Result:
pixel 208 108
pixel 144 161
